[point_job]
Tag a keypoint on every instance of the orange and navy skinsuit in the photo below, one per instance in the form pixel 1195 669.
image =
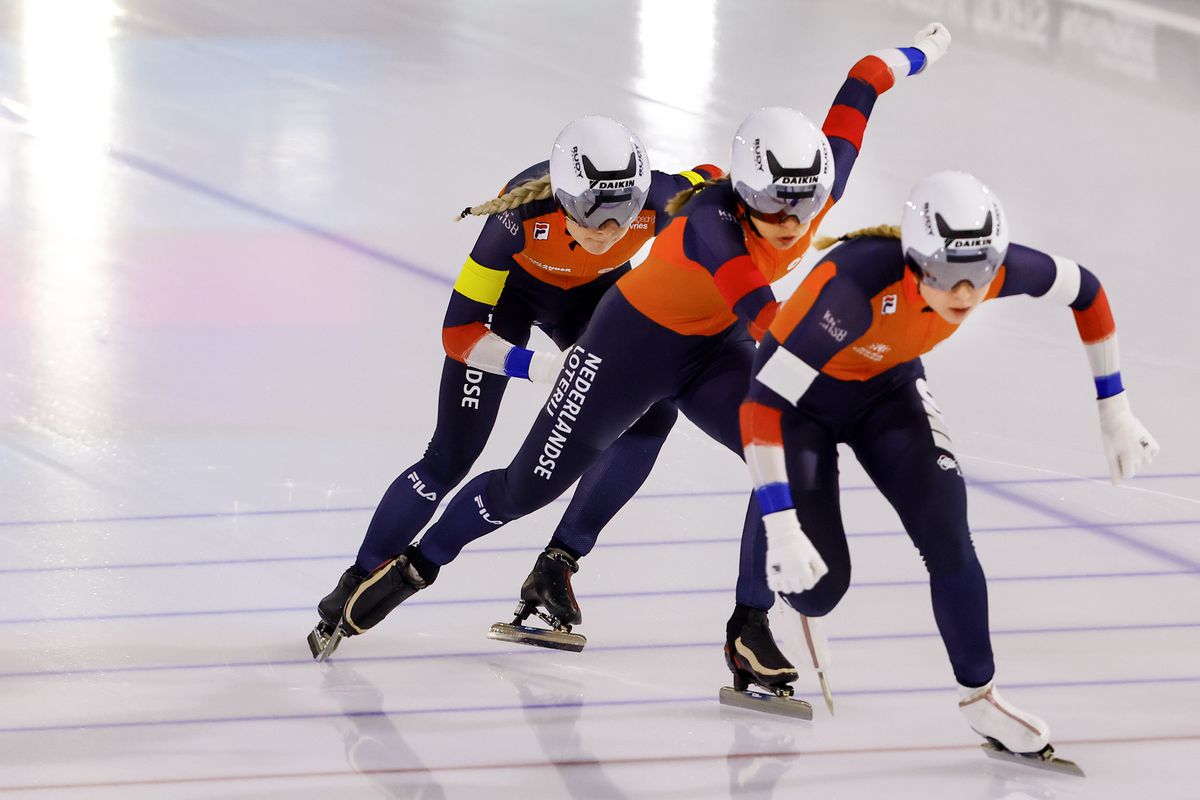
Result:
pixel 710 267
pixel 841 363
pixel 524 270
pixel 526 256
pixel 669 335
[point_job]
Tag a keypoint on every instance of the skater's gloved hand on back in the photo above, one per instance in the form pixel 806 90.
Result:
pixel 1127 443
pixel 933 40
pixel 544 367
pixel 793 564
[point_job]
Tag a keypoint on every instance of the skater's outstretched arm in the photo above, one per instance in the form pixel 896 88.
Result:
pixel 871 76
pixel 1127 443
pixel 715 239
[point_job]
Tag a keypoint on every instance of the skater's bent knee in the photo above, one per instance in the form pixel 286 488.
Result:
pixel 819 600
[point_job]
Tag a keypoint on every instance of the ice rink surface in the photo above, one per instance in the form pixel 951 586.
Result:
pixel 226 247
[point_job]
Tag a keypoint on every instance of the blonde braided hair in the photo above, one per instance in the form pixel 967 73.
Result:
pixel 677 202
pixel 536 189
pixel 886 231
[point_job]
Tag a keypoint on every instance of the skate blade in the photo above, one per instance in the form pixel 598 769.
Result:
pixel 767 703
pixel 825 691
pixel 328 645
pixel 316 642
pixel 1050 762
pixel 538 637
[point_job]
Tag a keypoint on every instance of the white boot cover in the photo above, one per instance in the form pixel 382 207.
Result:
pixel 989 714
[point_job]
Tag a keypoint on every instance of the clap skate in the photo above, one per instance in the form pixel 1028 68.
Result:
pixel 324 638
pixel 811 632
pixel 548 587
pixel 1012 735
pixel 754 658
pixel 372 599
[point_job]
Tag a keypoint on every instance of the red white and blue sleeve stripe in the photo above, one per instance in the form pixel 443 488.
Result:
pixel 762 442
pixel 1029 271
pixel 1094 319
pixel 846 122
pixel 1064 282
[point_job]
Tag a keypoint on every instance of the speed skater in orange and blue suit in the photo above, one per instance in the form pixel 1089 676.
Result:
pixel 841 364
pixel 680 329
pixel 556 239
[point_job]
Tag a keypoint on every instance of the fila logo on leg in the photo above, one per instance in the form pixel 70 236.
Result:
pixel 420 488
pixel 484 513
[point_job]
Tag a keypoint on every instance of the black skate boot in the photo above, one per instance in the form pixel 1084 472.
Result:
pixel 547 587
pixel 377 594
pixel 754 658
pixel 330 611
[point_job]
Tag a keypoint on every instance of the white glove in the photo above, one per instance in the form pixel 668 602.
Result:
pixel 544 367
pixel 793 564
pixel 933 40
pixel 1127 443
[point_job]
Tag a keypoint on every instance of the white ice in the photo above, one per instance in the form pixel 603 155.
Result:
pixel 226 246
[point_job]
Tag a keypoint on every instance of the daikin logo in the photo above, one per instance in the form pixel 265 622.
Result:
pixel 975 241
pixel 794 182
pixel 611 181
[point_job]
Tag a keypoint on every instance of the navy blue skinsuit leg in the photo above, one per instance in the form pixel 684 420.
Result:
pixel 618 473
pixel 468 402
pixel 624 364
pixel 892 436
pixel 923 483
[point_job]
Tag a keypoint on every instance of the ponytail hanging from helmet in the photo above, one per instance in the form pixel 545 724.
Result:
pixel 536 189
pixel 884 231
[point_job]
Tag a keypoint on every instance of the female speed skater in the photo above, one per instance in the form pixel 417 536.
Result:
pixel 557 238
pixel 841 363
pixel 681 328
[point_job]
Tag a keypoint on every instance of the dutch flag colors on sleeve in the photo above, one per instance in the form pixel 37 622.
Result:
pixel 1099 334
pixel 762 441
pixel 1081 290
pixel 846 122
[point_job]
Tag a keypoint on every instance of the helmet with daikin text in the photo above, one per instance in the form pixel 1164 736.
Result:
pixel 954 230
pixel 599 172
pixel 781 165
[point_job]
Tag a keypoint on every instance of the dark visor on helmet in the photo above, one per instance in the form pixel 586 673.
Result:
pixel 612 194
pixel 967 255
pixel 792 192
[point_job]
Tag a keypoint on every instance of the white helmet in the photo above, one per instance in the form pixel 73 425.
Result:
pixel 954 230
pixel 599 171
pixel 781 165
